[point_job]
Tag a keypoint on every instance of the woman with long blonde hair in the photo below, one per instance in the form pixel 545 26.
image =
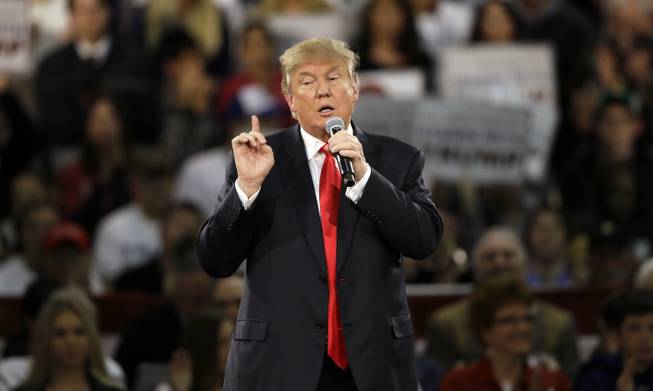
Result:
pixel 66 352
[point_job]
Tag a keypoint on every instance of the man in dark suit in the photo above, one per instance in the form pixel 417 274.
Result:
pixel 324 307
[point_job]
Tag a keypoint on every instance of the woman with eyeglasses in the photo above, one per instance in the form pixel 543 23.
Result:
pixel 501 315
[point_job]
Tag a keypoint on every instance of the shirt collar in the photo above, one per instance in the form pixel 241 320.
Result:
pixel 97 51
pixel 313 144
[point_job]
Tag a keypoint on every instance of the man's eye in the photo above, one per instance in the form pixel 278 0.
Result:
pixel 307 82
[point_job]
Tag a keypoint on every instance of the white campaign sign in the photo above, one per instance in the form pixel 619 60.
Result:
pixel 507 74
pixel 14 37
pixel 482 142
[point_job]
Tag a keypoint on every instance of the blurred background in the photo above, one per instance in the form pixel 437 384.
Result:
pixel 535 117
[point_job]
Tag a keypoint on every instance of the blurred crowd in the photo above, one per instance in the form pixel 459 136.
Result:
pixel 113 148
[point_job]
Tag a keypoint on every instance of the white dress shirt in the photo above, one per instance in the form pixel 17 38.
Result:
pixel 315 161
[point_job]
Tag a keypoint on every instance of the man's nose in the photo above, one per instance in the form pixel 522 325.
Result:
pixel 323 89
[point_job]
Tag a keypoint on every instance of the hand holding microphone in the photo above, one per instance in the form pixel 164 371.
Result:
pixel 347 150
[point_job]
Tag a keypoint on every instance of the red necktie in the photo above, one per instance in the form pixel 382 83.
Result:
pixel 330 183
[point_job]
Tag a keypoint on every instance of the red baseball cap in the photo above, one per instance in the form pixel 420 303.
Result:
pixel 66 233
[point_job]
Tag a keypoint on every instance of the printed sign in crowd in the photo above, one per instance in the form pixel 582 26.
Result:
pixel 481 142
pixel 507 74
pixel 14 37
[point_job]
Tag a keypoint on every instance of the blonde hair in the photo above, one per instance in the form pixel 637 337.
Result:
pixel 66 299
pixel 320 49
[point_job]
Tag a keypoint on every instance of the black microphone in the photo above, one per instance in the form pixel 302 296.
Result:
pixel 333 125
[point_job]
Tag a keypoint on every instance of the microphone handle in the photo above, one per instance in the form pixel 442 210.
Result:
pixel 345 165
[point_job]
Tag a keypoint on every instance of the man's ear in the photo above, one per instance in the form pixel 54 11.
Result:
pixel 291 104
pixel 355 87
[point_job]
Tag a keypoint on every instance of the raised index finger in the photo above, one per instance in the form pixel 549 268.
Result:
pixel 256 127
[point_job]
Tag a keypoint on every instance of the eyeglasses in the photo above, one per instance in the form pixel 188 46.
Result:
pixel 514 320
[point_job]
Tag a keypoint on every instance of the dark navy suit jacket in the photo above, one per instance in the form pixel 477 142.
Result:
pixel 279 340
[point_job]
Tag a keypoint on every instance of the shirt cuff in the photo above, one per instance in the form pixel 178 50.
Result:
pixel 246 202
pixel 355 192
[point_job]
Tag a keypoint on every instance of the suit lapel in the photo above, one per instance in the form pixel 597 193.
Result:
pixel 295 171
pixel 348 214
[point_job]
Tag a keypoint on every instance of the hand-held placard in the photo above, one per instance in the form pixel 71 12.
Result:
pixel 333 125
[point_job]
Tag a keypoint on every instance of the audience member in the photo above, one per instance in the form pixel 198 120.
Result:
pixel 21 146
pixel 181 223
pixel 227 295
pixel 607 182
pixel 197 183
pixel 632 367
pixel 496 22
pixel 441 24
pixel 204 21
pixel 66 351
pixel 19 270
pixel 157 334
pixel 26 189
pixel 451 339
pixel 189 125
pixel 388 39
pixel 549 257
pixel 130 236
pixel 67 258
pixel 69 79
pixel 254 89
pixel 96 184
pixel 37 293
pixel 501 317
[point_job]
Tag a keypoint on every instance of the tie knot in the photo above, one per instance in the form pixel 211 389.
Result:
pixel 325 149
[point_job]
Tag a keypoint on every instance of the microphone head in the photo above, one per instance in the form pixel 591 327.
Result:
pixel 334 124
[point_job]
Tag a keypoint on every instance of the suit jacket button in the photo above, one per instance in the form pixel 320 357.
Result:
pixel 343 279
pixel 319 325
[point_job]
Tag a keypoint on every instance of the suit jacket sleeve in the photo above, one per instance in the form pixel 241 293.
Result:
pixel 404 215
pixel 224 239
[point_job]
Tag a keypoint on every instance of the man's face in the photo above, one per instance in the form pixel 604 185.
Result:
pixel 90 19
pixel 319 90
pixel 618 130
pixel 498 253
pixel 636 338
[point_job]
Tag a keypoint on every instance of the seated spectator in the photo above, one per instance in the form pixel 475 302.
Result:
pixel 441 24
pixel 632 367
pixel 189 124
pixel 606 186
pixel 388 39
pixel 451 339
pixel 66 351
pixel 19 270
pixel 549 261
pixel 25 189
pixel 254 89
pixel 21 146
pixel 97 183
pixel 496 22
pixel 157 334
pixel 204 21
pixel 69 79
pixel 67 258
pixel 197 183
pixel 130 236
pixel 227 295
pixel 199 364
pixel 501 316
pixel 181 223
pixel 38 292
